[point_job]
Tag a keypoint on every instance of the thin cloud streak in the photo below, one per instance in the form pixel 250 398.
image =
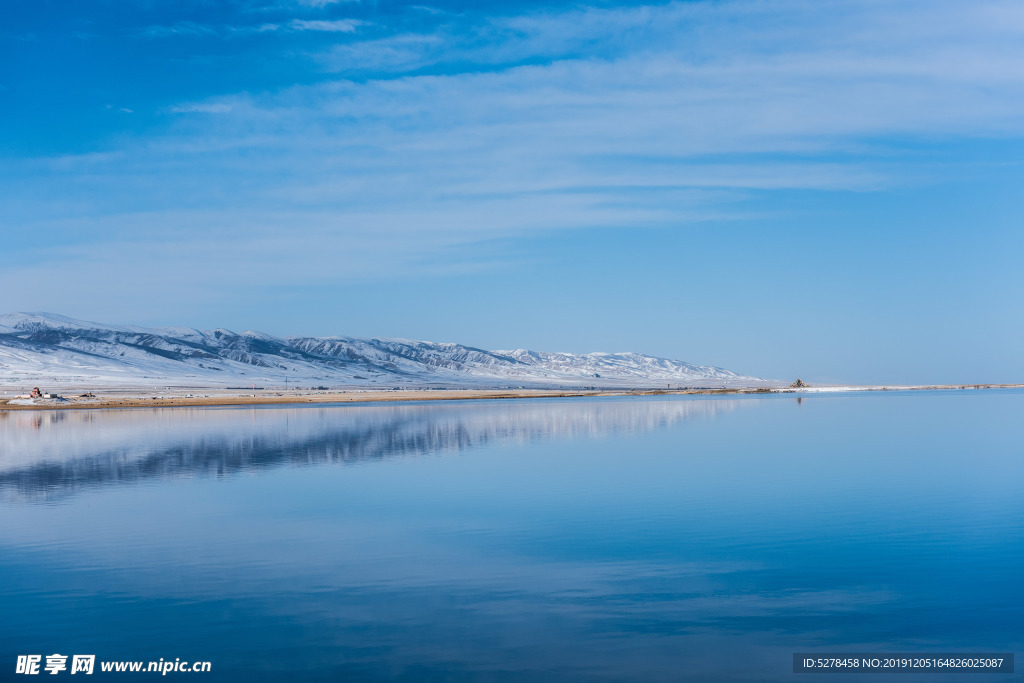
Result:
pixel 192 29
pixel 330 26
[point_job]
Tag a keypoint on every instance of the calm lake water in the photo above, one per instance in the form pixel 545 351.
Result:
pixel 661 538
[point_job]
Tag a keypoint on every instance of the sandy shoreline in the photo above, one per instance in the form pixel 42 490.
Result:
pixel 139 398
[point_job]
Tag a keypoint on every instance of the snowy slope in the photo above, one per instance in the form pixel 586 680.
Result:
pixel 54 348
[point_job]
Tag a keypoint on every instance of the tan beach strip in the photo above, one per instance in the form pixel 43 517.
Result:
pixel 137 398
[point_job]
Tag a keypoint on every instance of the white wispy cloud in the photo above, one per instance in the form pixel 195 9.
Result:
pixel 193 29
pixel 591 118
pixel 202 108
pixel 329 25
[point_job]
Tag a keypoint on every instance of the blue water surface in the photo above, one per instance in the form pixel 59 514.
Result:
pixel 635 538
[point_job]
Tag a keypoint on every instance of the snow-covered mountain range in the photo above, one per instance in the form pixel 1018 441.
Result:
pixel 52 348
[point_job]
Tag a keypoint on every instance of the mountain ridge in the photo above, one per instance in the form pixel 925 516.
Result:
pixel 62 349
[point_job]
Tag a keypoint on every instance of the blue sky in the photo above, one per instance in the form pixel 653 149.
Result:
pixel 827 189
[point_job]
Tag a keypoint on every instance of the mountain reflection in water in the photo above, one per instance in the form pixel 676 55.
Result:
pixel 49 454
